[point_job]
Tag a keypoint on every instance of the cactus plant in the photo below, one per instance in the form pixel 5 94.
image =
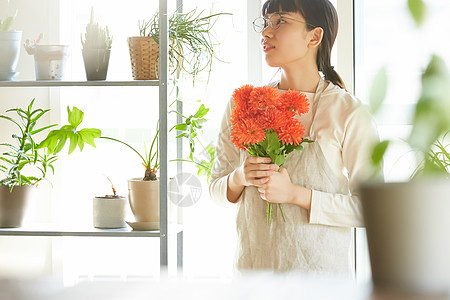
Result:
pixel 96 37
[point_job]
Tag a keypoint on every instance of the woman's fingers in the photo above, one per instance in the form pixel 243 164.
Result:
pixel 259 160
pixel 257 170
pixel 261 181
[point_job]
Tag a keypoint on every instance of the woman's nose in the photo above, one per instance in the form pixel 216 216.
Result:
pixel 267 32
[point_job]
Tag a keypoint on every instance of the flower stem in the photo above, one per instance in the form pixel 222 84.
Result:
pixel 282 212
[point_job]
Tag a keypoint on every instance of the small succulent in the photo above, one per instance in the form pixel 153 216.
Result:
pixel 6 23
pixel 96 37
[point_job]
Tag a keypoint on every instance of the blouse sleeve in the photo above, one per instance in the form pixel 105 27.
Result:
pixel 227 159
pixel 360 135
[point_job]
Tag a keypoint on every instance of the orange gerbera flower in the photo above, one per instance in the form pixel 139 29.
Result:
pixel 242 94
pixel 259 110
pixel 262 98
pixel 293 100
pixel 292 133
pixel 245 132
pixel 271 118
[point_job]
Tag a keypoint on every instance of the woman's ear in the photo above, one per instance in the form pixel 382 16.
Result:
pixel 316 36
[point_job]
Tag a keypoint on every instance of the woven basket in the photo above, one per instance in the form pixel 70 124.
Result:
pixel 144 52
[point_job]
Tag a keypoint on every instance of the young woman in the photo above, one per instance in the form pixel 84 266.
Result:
pixel 318 185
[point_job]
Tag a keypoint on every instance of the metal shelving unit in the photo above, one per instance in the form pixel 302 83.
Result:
pixel 162 83
pixel 54 83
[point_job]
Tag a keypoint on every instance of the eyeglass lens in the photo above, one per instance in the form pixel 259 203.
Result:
pixel 260 23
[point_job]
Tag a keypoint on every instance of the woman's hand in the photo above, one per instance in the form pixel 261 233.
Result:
pixel 256 170
pixel 253 171
pixel 280 189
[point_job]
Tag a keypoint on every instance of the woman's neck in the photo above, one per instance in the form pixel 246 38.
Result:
pixel 300 78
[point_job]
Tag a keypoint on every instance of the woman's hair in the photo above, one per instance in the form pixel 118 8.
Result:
pixel 317 13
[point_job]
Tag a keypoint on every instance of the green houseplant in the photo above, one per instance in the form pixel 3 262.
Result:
pixel 407 222
pixel 191 46
pixel 16 186
pixel 9 48
pixel 190 129
pixel 143 192
pixel 96 49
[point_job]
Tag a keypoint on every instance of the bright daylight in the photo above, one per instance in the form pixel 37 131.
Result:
pixel 224 149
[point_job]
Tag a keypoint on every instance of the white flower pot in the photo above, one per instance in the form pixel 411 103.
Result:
pixel 109 212
pixel 408 234
pixel 10 50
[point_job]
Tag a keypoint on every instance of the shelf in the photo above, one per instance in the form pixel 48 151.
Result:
pixel 48 230
pixel 58 83
pixel 57 230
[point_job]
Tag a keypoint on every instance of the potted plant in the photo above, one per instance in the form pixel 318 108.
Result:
pixel 9 48
pixel 16 186
pixel 143 192
pixel 407 222
pixel 96 50
pixel 190 45
pixel 109 210
pixel 49 60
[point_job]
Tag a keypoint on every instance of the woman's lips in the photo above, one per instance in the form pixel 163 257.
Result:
pixel 267 47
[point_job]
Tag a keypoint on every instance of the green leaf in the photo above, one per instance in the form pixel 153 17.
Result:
pixel 7 23
pixel 432 115
pixel 279 160
pixel 89 134
pixel 21 165
pixel 75 116
pixel 378 152
pixel 378 90
pixel 181 127
pixel 43 128
pixel 6 160
pixel 12 120
pixel 61 143
pixel 182 135
pixel 74 140
pixel 418 11
pixel 202 111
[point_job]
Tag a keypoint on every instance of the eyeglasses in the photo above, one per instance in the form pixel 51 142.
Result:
pixel 275 20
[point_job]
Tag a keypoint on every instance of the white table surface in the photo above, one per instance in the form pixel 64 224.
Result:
pixel 258 286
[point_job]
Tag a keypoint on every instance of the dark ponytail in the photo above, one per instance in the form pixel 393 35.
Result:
pixel 320 13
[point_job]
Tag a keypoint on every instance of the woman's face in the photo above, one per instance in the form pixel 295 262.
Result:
pixel 289 42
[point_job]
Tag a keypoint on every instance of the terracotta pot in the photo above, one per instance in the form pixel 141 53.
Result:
pixel 13 205
pixel 109 212
pixel 144 199
pixel 407 232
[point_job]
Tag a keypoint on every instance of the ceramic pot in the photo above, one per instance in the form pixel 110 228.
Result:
pixel 96 63
pixel 50 61
pixel 109 212
pixel 407 232
pixel 13 204
pixel 10 50
pixel 144 199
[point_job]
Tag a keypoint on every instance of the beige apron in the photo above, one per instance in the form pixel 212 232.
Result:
pixel 295 245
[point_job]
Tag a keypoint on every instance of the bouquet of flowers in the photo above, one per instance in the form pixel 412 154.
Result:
pixel 263 124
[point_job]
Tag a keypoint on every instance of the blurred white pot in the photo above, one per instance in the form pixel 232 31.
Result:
pixel 408 234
